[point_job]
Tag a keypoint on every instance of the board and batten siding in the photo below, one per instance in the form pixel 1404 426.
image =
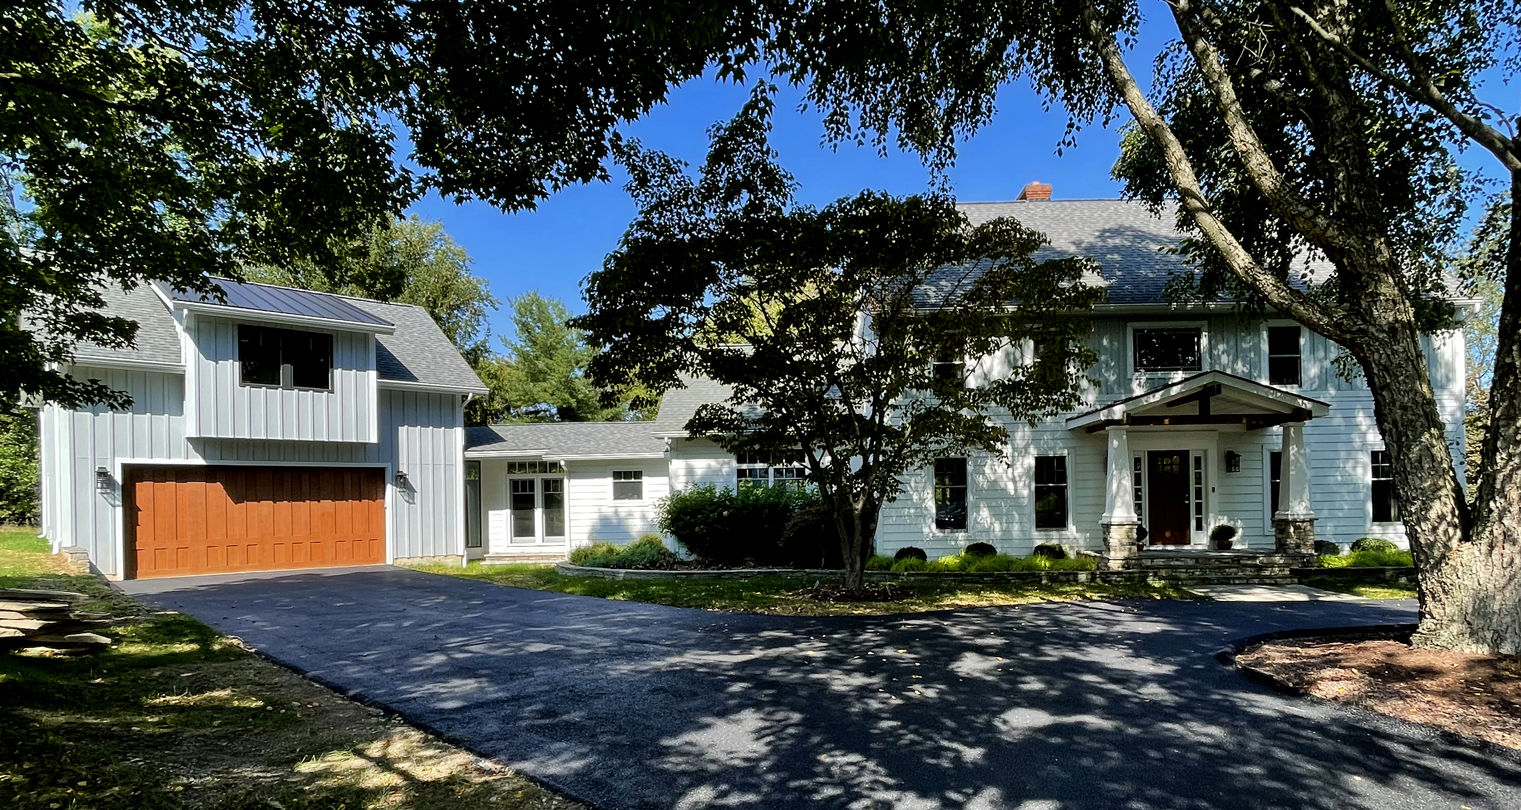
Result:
pixel 420 433
pixel 221 407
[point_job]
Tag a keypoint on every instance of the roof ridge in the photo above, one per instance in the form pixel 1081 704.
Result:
pixel 344 296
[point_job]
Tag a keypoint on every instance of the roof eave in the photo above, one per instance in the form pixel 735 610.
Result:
pixel 262 316
pixel 441 388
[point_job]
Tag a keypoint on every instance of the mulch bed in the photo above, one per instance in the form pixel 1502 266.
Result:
pixel 1473 695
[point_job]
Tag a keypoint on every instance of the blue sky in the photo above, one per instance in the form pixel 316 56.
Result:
pixel 553 248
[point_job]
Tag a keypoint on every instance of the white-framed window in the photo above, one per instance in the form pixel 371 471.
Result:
pixel 950 494
pixel 1275 478
pixel 757 469
pixel 1051 511
pixel 1167 348
pixel 1197 481
pixel 284 358
pixel 628 485
pixel 1386 506
pixel 1285 354
pixel 1138 486
pixel 949 370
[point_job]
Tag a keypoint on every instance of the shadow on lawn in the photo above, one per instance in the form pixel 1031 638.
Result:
pixel 630 705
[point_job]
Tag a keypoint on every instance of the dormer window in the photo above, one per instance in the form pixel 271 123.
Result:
pixel 1168 348
pixel 285 358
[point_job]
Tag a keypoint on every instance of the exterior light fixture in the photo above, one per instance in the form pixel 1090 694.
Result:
pixel 102 479
pixel 1232 461
pixel 401 480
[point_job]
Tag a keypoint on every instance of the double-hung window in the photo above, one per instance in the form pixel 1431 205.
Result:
pixel 949 370
pixel 1168 348
pixel 1050 492
pixel 950 493
pixel 628 485
pixel 1386 508
pixel 284 358
pixel 1284 355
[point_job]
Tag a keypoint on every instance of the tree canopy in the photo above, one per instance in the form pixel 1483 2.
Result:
pixel 857 320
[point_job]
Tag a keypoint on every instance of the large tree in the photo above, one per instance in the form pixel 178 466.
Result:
pixel 1281 129
pixel 147 139
pixel 542 377
pixel 854 321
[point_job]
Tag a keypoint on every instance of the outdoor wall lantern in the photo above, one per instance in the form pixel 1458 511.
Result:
pixel 1232 461
pixel 102 479
pixel 401 480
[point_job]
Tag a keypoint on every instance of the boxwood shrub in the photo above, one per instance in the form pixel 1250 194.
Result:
pixel 723 527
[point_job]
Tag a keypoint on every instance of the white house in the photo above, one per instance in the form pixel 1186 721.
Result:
pixel 278 429
pixel 1201 416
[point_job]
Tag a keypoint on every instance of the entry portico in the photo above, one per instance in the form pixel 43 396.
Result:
pixel 1163 450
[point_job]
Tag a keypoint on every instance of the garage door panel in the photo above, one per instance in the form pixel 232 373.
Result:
pixel 201 520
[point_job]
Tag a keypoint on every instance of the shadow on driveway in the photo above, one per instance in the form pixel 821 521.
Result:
pixel 1074 705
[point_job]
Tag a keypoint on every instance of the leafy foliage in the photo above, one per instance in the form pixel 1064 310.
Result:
pixel 910 553
pixel 648 552
pixel 842 312
pixel 1051 551
pixel 1369 558
pixel 1377 544
pixel 20 470
pixel 729 528
pixel 979 550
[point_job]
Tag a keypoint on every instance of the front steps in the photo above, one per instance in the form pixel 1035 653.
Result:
pixel 1186 567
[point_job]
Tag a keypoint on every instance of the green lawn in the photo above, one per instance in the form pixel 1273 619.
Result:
pixel 1368 590
pixel 780 595
pixel 175 715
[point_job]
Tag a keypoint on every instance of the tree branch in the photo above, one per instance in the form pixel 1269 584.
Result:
pixel 1331 323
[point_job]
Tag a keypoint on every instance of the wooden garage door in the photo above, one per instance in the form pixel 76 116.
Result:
pixel 210 520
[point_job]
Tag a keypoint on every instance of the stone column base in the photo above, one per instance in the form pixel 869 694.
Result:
pixel 1120 549
pixel 1294 535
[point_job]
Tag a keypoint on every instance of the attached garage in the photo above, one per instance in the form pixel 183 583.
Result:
pixel 214 519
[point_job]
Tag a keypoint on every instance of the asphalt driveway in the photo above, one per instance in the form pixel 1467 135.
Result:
pixel 1087 705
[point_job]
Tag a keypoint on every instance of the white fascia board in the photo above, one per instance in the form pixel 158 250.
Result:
pixel 405 385
pixel 260 316
pixel 602 456
pixel 129 365
pixel 536 455
pixel 1237 385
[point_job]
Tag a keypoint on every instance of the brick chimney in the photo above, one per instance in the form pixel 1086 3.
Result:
pixel 1036 191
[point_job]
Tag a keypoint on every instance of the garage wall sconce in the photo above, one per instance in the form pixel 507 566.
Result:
pixel 102 479
pixel 401 480
pixel 1232 461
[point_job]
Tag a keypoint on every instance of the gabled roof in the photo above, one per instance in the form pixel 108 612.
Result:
pixel 557 441
pixel 1136 250
pixel 1212 397
pixel 416 352
pixel 253 300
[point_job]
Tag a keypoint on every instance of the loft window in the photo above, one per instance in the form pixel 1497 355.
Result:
pixel 1050 492
pixel 285 358
pixel 1284 361
pixel 1171 348
pixel 950 493
pixel 1386 508
pixel 949 370
pixel 628 485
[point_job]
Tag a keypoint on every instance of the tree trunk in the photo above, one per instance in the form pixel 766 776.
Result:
pixel 857 523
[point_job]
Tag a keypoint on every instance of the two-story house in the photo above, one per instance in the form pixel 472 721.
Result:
pixel 274 429
pixel 1200 416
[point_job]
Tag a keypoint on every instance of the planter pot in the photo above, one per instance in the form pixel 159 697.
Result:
pixel 1224 545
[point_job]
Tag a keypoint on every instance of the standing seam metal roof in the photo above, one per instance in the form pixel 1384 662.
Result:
pixel 280 300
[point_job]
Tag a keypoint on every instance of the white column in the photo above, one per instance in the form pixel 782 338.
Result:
pixel 1294 476
pixel 1119 498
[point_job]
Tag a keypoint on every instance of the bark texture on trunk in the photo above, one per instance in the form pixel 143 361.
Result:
pixel 857 523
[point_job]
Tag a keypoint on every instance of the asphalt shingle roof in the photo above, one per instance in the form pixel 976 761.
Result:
pixel 417 352
pixel 566 439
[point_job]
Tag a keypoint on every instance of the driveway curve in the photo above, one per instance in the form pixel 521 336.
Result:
pixel 1068 705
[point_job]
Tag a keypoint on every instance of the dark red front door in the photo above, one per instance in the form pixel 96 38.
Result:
pixel 1167 497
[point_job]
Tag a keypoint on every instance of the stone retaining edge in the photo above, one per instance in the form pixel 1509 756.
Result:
pixel 1043 577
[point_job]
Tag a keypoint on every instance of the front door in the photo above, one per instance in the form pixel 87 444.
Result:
pixel 1167 498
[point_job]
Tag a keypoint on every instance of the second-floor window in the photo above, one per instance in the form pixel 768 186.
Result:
pixel 950 493
pixel 284 358
pixel 1168 348
pixel 1284 362
pixel 949 370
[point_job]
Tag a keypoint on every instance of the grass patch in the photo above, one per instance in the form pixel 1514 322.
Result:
pixel 1368 590
pixel 782 595
pixel 175 715
pixel 1368 559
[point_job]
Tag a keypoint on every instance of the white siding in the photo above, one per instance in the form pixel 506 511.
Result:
pixel 596 517
pixel 695 462
pixel 421 434
pixel 220 407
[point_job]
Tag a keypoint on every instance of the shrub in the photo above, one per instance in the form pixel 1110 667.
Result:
pixel 1369 559
pixel 1374 544
pixel 647 552
pixel 979 550
pixel 1050 551
pixel 1141 533
pixel 879 562
pixel 725 527
pixel 811 540
pixel 910 553
pixel 1224 531
pixel 1326 548
pixel 908 564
